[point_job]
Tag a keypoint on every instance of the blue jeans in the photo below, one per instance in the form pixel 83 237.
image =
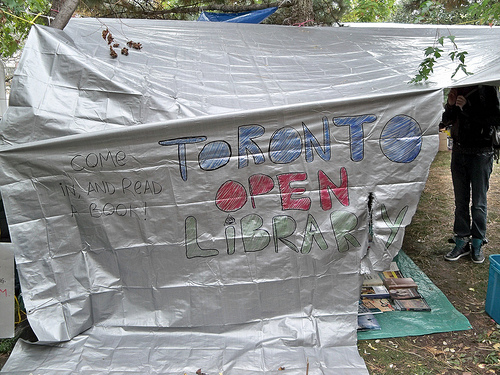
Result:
pixel 471 175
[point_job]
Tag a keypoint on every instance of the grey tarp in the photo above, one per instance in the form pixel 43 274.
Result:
pixel 203 201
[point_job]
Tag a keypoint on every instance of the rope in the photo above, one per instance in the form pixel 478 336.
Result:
pixel 18 311
pixel 302 23
pixel 20 18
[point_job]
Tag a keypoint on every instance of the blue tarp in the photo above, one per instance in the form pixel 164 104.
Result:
pixel 256 16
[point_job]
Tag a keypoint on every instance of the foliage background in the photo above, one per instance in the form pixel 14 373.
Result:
pixel 16 18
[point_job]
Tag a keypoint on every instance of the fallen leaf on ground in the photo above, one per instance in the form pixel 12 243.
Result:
pixel 434 351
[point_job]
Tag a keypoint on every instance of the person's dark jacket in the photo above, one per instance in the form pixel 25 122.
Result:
pixel 471 126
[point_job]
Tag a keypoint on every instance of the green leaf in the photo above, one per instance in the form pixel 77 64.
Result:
pixel 455 72
pixel 461 56
pixel 429 51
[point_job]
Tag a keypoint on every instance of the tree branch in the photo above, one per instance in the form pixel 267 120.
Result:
pixel 219 7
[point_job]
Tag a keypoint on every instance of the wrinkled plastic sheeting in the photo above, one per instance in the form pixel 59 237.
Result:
pixel 255 348
pixel 210 202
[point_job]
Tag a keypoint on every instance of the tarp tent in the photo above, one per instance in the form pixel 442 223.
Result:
pixel 211 199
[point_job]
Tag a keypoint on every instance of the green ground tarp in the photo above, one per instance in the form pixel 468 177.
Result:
pixel 443 317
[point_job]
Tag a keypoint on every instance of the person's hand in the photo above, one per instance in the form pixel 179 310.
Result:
pixel 452 97
pixel 461 101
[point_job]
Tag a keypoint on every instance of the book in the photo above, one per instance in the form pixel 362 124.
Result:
pixel 399 283
pixel 367 322
pixel 363 310
pixel 377 305
pixel 392 273
pixel 375 291
pixel 416 304
pixel 404 293
pixel 371 279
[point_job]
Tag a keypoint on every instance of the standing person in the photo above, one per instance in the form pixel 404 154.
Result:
pixel 471 111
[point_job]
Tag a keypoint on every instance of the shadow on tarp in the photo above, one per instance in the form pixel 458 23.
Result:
pixel 443 317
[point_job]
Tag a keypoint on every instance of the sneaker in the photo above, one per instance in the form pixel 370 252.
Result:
pixel 477 254
pixel 458 252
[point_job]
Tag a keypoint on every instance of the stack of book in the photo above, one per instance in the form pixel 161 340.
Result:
pixel 387 291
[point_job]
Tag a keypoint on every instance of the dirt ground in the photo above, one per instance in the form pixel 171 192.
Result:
pixel 475 351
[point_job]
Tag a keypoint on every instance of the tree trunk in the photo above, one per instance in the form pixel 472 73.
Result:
pixel 304 10
pixel 63 10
